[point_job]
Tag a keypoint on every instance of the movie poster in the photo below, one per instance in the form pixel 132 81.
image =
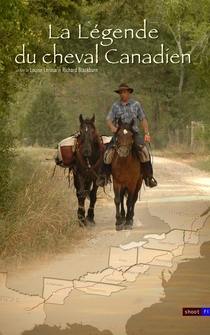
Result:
pixel 63 62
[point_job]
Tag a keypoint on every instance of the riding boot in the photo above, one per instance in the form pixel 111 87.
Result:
pixel 147 176
pixel 104 178
pixel 150 181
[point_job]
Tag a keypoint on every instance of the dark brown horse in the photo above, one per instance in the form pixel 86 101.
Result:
pixel 126 172
pixel 87 167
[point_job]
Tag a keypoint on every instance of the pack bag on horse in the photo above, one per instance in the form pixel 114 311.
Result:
pixel 126 174
pixel 83 153
pixel 65 154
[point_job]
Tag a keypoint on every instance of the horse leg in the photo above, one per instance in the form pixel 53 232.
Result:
pixel 118 200
pixel 123 194
pixel 131 201
pixel 130 211
pixel 89 221
pixel 81 195
pixel 81 207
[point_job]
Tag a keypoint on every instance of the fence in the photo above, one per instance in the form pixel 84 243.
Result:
pixel 192 135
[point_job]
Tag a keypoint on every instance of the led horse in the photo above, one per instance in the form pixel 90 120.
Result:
pixel 87 167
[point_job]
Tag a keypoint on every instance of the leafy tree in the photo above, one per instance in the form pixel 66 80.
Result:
pixel 187 23
pixel 12 21
pixel 44 122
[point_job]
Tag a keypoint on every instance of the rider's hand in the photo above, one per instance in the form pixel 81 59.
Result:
pixel 113 129
pixel 147 138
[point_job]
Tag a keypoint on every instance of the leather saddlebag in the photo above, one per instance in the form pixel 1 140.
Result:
pixel 65 154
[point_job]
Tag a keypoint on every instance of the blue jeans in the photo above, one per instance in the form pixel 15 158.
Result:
pixel 148 165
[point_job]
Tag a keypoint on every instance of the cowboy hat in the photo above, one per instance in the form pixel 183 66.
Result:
pixel 123 87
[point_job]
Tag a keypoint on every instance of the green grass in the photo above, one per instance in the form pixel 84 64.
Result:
pixel 202 163
pixel 41 216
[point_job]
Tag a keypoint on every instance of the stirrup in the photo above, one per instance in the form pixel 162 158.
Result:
pixel 150 182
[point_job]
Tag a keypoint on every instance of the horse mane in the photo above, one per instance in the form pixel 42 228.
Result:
pixel 135 146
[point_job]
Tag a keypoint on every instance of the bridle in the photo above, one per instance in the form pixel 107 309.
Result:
pixel 87 122
pixel 85 162
pixel 118 146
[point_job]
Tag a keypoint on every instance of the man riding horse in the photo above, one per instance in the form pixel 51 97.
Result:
pixel 128 109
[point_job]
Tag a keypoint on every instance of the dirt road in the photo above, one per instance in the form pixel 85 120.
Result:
pixel 114 278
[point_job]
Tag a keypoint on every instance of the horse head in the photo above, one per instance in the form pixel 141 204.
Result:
pixel 82 120
pixel 87 135
pixel 124 138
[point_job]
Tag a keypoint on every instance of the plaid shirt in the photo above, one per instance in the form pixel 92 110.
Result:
pixel 132 110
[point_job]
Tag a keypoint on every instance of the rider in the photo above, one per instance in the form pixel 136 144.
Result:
pixel 128 109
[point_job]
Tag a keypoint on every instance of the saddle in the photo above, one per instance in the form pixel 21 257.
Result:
pixel 143 154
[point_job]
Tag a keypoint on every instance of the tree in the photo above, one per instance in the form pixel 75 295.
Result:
pixel 44 122
pixel 12 22
pixel 187 22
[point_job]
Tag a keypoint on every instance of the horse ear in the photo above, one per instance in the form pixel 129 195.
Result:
pixel 132 123
pixel 81 118
pixel 93 118
pixel 120 122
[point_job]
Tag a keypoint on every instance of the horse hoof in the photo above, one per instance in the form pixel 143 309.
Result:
pixel 119 227
pixel 89 223
pixel 128 227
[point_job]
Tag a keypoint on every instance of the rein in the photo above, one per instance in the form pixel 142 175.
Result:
pixel 84 161
pixel 86 165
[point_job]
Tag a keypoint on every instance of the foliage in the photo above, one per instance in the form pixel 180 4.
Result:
pixel 13 18
pixel 44 121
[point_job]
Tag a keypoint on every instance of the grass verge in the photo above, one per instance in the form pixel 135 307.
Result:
pixel 41 218
pixel 198 158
